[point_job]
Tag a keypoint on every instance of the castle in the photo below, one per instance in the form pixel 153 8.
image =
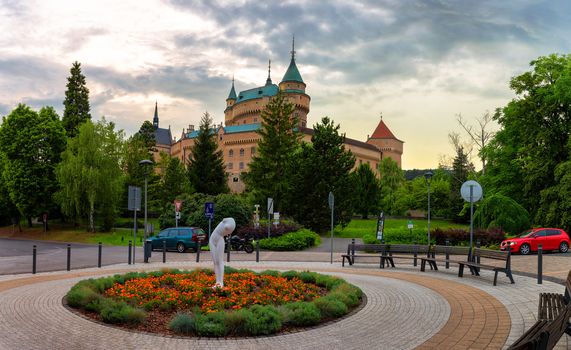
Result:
pixel 238 139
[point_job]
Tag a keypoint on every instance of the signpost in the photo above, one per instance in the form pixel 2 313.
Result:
pixel 134 204
pixel 331 201
pixel 177 208
pixel 257 215
pixel 270 212
pixel 209 214
pixel 381 226
pixel 410 226
pixel 471 191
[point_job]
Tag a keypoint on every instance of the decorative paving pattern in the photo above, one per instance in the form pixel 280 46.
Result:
pixel 406 309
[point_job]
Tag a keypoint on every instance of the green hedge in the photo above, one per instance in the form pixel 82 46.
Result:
pixel 298 240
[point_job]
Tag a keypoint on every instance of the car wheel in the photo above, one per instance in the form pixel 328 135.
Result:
pixel 563 247
pixel 180 248
pixel 524 249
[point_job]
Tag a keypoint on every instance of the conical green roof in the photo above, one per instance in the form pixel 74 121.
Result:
pixel 232 95
pixel 292 73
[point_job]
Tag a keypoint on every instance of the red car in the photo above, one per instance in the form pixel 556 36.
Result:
pixel 549 238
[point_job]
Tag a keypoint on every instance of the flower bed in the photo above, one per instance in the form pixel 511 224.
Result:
pixel 184 302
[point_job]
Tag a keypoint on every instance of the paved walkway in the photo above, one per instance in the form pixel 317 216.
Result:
pixel 405 309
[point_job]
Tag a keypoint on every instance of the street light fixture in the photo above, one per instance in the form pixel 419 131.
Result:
pixel 427 178
pixel 144 164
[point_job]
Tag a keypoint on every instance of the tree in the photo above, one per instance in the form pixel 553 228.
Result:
pixel 32 144
pixel 319 168
pixel 481 135
pixel 391 180
pixel 461 168
pixel 206 170
pixel 90 175
pixel 367 190
pixel 8 210
pixel 525 153
pixel 76 102
pixel 279 140
pixel 146 134
pixel 174 181
pixel 500 211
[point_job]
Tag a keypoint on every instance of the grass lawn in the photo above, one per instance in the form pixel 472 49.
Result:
pixel 357 228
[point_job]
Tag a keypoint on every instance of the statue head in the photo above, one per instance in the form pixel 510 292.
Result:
pixel 228 226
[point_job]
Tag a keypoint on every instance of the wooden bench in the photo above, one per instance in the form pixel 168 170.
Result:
pixel 404 251
pixel 444 254
pixel 365 251
pixel 554 312
pixel 475 265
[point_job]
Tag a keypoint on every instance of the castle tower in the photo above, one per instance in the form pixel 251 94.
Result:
pixel 293 87
pixel 231 96
pixel 386 142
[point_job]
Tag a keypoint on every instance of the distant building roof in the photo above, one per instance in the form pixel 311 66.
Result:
pixel 292 73
pixel 232 95
pixel 268 90
pixel 382 132
pixel 233 129
pixel 163 136
pixel 353 142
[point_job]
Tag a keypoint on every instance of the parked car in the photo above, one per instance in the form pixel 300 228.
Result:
pixel 180 238
pixel 528 241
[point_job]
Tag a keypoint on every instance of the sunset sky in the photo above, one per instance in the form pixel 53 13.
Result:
pixel 419 63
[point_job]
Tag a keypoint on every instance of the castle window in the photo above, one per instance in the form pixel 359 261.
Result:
pixel 253 150
pixel 241 152
pixel 230 166
pixel 255 120
pixel 235 179
pixel 231 153
pixel 259 92
pixel 241 165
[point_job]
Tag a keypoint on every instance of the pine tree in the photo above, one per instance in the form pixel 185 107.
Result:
pixel 367 190
pixel 76 103
pixel 279 139
pixel 461 168
pixel 206 170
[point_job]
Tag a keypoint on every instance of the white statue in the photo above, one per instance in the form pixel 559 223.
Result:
pixel 216 242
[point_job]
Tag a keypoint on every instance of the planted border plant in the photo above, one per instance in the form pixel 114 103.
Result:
pixel 184 303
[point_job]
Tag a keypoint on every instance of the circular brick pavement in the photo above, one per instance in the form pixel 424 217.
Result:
pixel 405 309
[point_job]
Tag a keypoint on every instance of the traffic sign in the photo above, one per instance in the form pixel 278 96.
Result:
pixel 331 200
pixel 471 191
pixel 177 205
pixel 134 200
pixel 209 210
pixel 410 225
pixel 270 205
pixel 177 215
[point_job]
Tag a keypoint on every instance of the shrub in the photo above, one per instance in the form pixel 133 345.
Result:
pixel 113 312
pixel 290 274
pixel 273 273
pixel 458 236
pixel 211 324
pixel 330 306
pixel 348 294
pixel 262 230
pixel 328 282
pixel 308 276
pixel 300 314
pixel 291 241
pixel 81 295
pixel 500 211
pixel 263 320
pixel 182 323
pixel 235 321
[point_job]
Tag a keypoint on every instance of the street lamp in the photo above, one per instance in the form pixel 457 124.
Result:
pixel 427 178
pixel 144 164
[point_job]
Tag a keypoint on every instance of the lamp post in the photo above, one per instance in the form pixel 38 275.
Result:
pixel 427 178
pixel 144 164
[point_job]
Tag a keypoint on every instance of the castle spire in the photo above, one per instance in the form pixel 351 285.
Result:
pixel 232 95
pixel 156 117
pixel 269 80
pixel 292 73
pixel 293 48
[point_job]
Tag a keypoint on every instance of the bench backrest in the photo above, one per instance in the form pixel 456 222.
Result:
pixel 451 250
pixel 490 254
pixel 407 248
pixel 568 289
pixel 374 248
pixel 559 325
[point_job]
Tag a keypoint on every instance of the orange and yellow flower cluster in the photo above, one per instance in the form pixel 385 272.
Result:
pixel 190 290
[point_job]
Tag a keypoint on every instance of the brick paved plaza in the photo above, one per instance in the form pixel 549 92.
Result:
pixel 405 309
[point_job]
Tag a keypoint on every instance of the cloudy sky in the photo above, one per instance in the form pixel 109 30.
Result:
pixel 419 63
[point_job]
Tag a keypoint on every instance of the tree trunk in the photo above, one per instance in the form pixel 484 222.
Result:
pixel 29 221
pixel 91 224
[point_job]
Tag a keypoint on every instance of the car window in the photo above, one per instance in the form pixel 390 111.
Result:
pixel 172 233
pixel 540 233
pixel 163 233
pixel 526 234
pixel 553 232
pixel 185 232
pixel 199 231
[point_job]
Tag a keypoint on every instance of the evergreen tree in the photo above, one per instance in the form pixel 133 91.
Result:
pixel 279 138
pixel 76 103
pixel 367 190
pixel 319 168
pixel 461 168
pixel 174 181
pixel 32 144
pixel 146 134
pixel 206 170
pixel 392 179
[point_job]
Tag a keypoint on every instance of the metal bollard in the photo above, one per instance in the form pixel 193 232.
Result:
pixel 257 250
pixel 164 251
pixel 198 249
pixel 99 256
pixel 415 253
pixel 539 264
pixel 228 251
pixel 68 257
pixel 34 253
pixel 447 254
pixel 478 246
pixel 130 251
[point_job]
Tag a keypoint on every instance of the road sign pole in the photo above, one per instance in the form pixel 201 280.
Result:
pixel 332 206
pixel 135 236
pixel 471 216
